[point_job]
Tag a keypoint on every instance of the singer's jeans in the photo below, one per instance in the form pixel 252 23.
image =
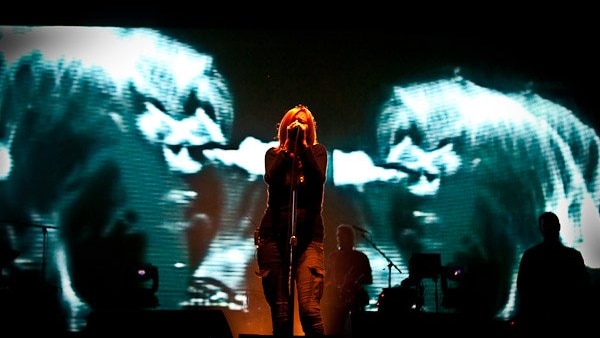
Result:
pixel 273 264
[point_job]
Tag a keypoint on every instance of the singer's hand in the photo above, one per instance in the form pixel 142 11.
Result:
pixel 292 131
pixel 296 126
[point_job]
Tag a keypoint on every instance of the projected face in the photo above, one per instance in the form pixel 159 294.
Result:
pixel 98 123
pixel 477 167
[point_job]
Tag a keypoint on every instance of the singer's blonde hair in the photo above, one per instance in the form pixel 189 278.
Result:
pixel 289 117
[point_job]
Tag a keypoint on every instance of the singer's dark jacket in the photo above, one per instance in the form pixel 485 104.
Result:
pixel 311 173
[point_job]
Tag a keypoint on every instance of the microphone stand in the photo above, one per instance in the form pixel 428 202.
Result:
pixel 390 263
pixel 292 236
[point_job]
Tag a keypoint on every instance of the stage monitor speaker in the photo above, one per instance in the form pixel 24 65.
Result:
pixel 199 323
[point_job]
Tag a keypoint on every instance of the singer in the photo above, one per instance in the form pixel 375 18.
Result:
pixel 290 236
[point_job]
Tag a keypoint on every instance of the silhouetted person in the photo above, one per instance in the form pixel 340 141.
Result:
pixel 552 284
pixel 348 270
pixel 295 174
pixel 413 288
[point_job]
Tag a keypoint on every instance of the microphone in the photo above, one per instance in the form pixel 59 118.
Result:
pixel 293 131
pixel 296 133
pixel 359 228
pixel 296 130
